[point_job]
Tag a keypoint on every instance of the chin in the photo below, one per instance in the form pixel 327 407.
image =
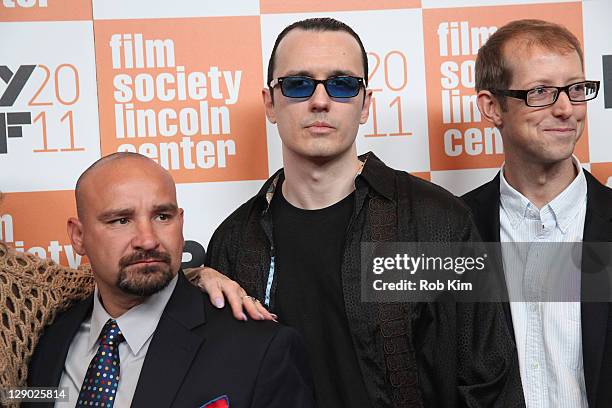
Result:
pixel 144 281
pixel 553 151
pixel 326 151
pixel 557 157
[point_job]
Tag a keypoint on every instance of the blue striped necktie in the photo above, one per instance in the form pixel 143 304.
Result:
pixel 99 387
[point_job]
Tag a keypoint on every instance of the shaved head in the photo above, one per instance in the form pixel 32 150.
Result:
pixel 110 160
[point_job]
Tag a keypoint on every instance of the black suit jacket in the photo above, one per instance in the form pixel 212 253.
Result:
pixel 596 317
pixel 197 354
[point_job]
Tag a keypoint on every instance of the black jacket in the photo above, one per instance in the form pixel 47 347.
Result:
pixel 410 354
pixel 596 317
pixel 197 353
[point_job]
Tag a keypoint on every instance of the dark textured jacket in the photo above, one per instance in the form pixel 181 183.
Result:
pixel 410 354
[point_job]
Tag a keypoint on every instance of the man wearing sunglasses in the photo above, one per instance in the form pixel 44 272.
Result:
pixel 296 246
pixel 531 86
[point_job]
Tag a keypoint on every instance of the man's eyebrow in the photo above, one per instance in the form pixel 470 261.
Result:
pixel 342 72
pixel 299 73
pixel 115 213
pixel 336 72
pixel 128 212
pixel 168 207
pixel 549 82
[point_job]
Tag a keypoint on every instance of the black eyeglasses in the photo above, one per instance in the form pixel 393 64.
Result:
pixel 343 86
pixel 547 95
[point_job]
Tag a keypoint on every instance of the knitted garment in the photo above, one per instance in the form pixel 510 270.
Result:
pixel 32 292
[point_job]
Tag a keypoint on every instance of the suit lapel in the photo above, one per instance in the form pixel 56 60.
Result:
pixel 173 347
pixel 595 315
pixel 485 208
pixel 598 222
pixel 52 355
pixel 47 365
pixel 594 319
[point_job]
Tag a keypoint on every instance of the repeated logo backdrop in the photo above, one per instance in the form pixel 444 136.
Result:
pixel 181 83
pixel 184 92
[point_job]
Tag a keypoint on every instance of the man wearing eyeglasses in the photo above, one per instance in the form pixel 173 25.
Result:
pixel 531 85
pixel 296 246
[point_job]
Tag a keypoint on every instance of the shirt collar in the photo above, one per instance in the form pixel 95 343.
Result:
pixel 377 175
pixel 373 171
pixel 564 207
pixel 137 324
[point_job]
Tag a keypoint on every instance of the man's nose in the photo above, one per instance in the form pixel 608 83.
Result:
pixel 563 107
pixel 320 100
pixel 145 236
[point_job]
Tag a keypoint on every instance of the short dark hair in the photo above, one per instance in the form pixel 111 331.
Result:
pixel 318 24
pixel 492 70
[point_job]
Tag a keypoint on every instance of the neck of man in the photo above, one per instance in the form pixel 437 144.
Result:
pixel 313 184
pixel 540 183
pixel 117 304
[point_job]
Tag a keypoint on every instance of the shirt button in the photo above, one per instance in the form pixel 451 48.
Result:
pixel 535 365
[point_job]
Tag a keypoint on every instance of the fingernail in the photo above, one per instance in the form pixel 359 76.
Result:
pixel 244 318
pixel 219 302
pixel 274 316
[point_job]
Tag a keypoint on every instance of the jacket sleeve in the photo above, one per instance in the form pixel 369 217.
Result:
pixel 488 368
pixel 467 356
pixel 220 253
pixel 284 379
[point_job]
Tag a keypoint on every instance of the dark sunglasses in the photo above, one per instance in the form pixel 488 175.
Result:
pixel 303 87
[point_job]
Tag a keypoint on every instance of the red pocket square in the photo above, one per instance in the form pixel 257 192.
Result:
pixel 221 402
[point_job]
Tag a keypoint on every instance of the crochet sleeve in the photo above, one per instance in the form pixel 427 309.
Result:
pixel 32 292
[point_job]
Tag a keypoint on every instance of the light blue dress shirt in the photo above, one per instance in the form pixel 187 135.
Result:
pixel 548 334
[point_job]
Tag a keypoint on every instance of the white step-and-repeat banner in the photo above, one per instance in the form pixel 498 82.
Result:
pixel 180 81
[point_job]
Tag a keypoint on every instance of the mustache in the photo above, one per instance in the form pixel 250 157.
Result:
pixel 138 256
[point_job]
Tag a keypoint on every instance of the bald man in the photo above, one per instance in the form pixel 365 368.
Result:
pixel 146 337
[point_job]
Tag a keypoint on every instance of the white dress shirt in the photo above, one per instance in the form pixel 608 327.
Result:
pixel 137 325
pixel 548 334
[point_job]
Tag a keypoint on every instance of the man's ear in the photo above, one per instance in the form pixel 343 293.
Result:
pixel 75 233
pixel 266 94
pixel 489 107
pixel 181 220
pixel 365 109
